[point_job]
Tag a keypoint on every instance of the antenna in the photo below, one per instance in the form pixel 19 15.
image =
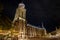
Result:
pixel 56 30
pixel 44 28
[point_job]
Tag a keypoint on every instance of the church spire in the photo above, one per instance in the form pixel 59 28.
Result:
pixel 44 29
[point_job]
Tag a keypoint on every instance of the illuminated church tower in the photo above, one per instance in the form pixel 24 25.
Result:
pixel 20 21
pixel 20 16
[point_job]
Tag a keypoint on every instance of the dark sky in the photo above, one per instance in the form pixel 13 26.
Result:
pixel 38 11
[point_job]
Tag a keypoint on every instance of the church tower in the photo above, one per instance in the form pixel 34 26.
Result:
pixel 20 21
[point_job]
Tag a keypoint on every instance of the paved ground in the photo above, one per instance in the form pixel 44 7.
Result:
pixel 44 38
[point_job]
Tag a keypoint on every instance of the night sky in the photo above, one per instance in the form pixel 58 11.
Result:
pixel 38 11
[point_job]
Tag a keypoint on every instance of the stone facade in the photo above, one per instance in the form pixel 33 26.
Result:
pixel 27 32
